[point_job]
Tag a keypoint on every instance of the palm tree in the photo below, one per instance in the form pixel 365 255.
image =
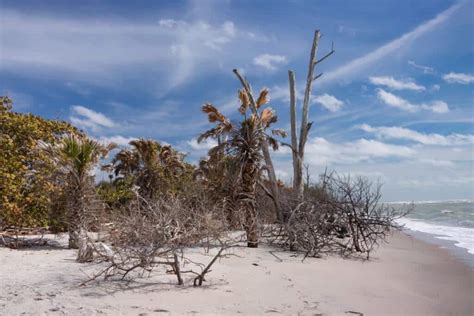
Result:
pixel 76 157
pixel 151 166
pixel 243 141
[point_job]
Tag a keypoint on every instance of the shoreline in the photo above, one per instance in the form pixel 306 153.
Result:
pixel 407 276
pixel 448 245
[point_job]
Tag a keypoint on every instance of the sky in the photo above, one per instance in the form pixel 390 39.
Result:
pixel 394 103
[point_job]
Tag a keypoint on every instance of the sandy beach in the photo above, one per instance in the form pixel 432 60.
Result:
pixel 404 277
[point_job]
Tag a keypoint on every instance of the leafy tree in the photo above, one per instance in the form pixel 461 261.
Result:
pixel 116 193
pixel 243 142
pixel 27 188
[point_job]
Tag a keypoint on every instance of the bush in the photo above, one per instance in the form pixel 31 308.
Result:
pixel 150 234
pixel 27 187
pixel 343 215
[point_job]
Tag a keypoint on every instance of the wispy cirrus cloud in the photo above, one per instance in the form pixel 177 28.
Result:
pixel 392 83
pixel 391 47
pixel 425 69
pixel 87 118
pixel 461 78
pixel 385 132
pixel 393 100
pixel 105 51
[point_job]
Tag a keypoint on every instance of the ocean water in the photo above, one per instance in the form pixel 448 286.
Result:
pixel 451 221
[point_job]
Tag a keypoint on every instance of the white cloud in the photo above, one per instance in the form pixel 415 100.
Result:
pixel 461 78
pixel 85 117
pixel 169 23
pixel 394 84
pixel 229 28
pixel 436 107
pixel 422 138
pixel 426 69
pixel 436 162
pixel 435 87
pixel 269 61
pixel 202 146
pixel 322 152
pixel 116 139
pixel 395 101
pixel 398 102
pixel 343 29
pixel 329 102
pixel 282 93
pixel 391 47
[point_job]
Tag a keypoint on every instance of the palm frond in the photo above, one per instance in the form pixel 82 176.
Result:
pixel 244 101
pixel 262 98
pixel 267 116
pixel 274 143
pixel 279 132
pixel 216 151
pixel 220 129
pixel 213 132
pixel 273 119
pixel 213 113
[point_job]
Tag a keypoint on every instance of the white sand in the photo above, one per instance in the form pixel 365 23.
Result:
pixel 405 277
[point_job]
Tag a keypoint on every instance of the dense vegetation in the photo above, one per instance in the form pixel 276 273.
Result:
pixel 30 193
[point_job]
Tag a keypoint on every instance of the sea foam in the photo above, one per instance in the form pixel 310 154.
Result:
pixel 462 237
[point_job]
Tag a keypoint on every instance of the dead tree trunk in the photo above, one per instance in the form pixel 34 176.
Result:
pixel 298 148
pixel 266 153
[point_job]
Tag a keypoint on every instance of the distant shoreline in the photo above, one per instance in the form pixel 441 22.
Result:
pixel 432 201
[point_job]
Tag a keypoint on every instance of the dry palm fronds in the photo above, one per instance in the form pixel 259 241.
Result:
pixel 273 119
pixel 213 114
pixel 244 101
pixel 220 129
pixel 263 98
pixel 267 116
pixel 251 120
pixel 279 132
pixel 274 143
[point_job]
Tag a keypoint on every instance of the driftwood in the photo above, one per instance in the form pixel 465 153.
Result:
pixel 16 237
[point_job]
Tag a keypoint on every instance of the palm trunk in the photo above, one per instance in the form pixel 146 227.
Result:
pixel 75 209
pixel 248 204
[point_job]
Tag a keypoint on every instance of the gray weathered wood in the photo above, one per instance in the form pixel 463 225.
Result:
pixel 294 136
pixel 307 94
pixel 299 147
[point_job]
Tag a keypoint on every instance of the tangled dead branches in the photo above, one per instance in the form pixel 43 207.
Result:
pixel 153 234
pixel 345 217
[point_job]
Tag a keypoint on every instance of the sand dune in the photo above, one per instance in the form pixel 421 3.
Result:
pixel 404 277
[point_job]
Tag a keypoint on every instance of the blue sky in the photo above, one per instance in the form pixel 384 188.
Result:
pixel 395 102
